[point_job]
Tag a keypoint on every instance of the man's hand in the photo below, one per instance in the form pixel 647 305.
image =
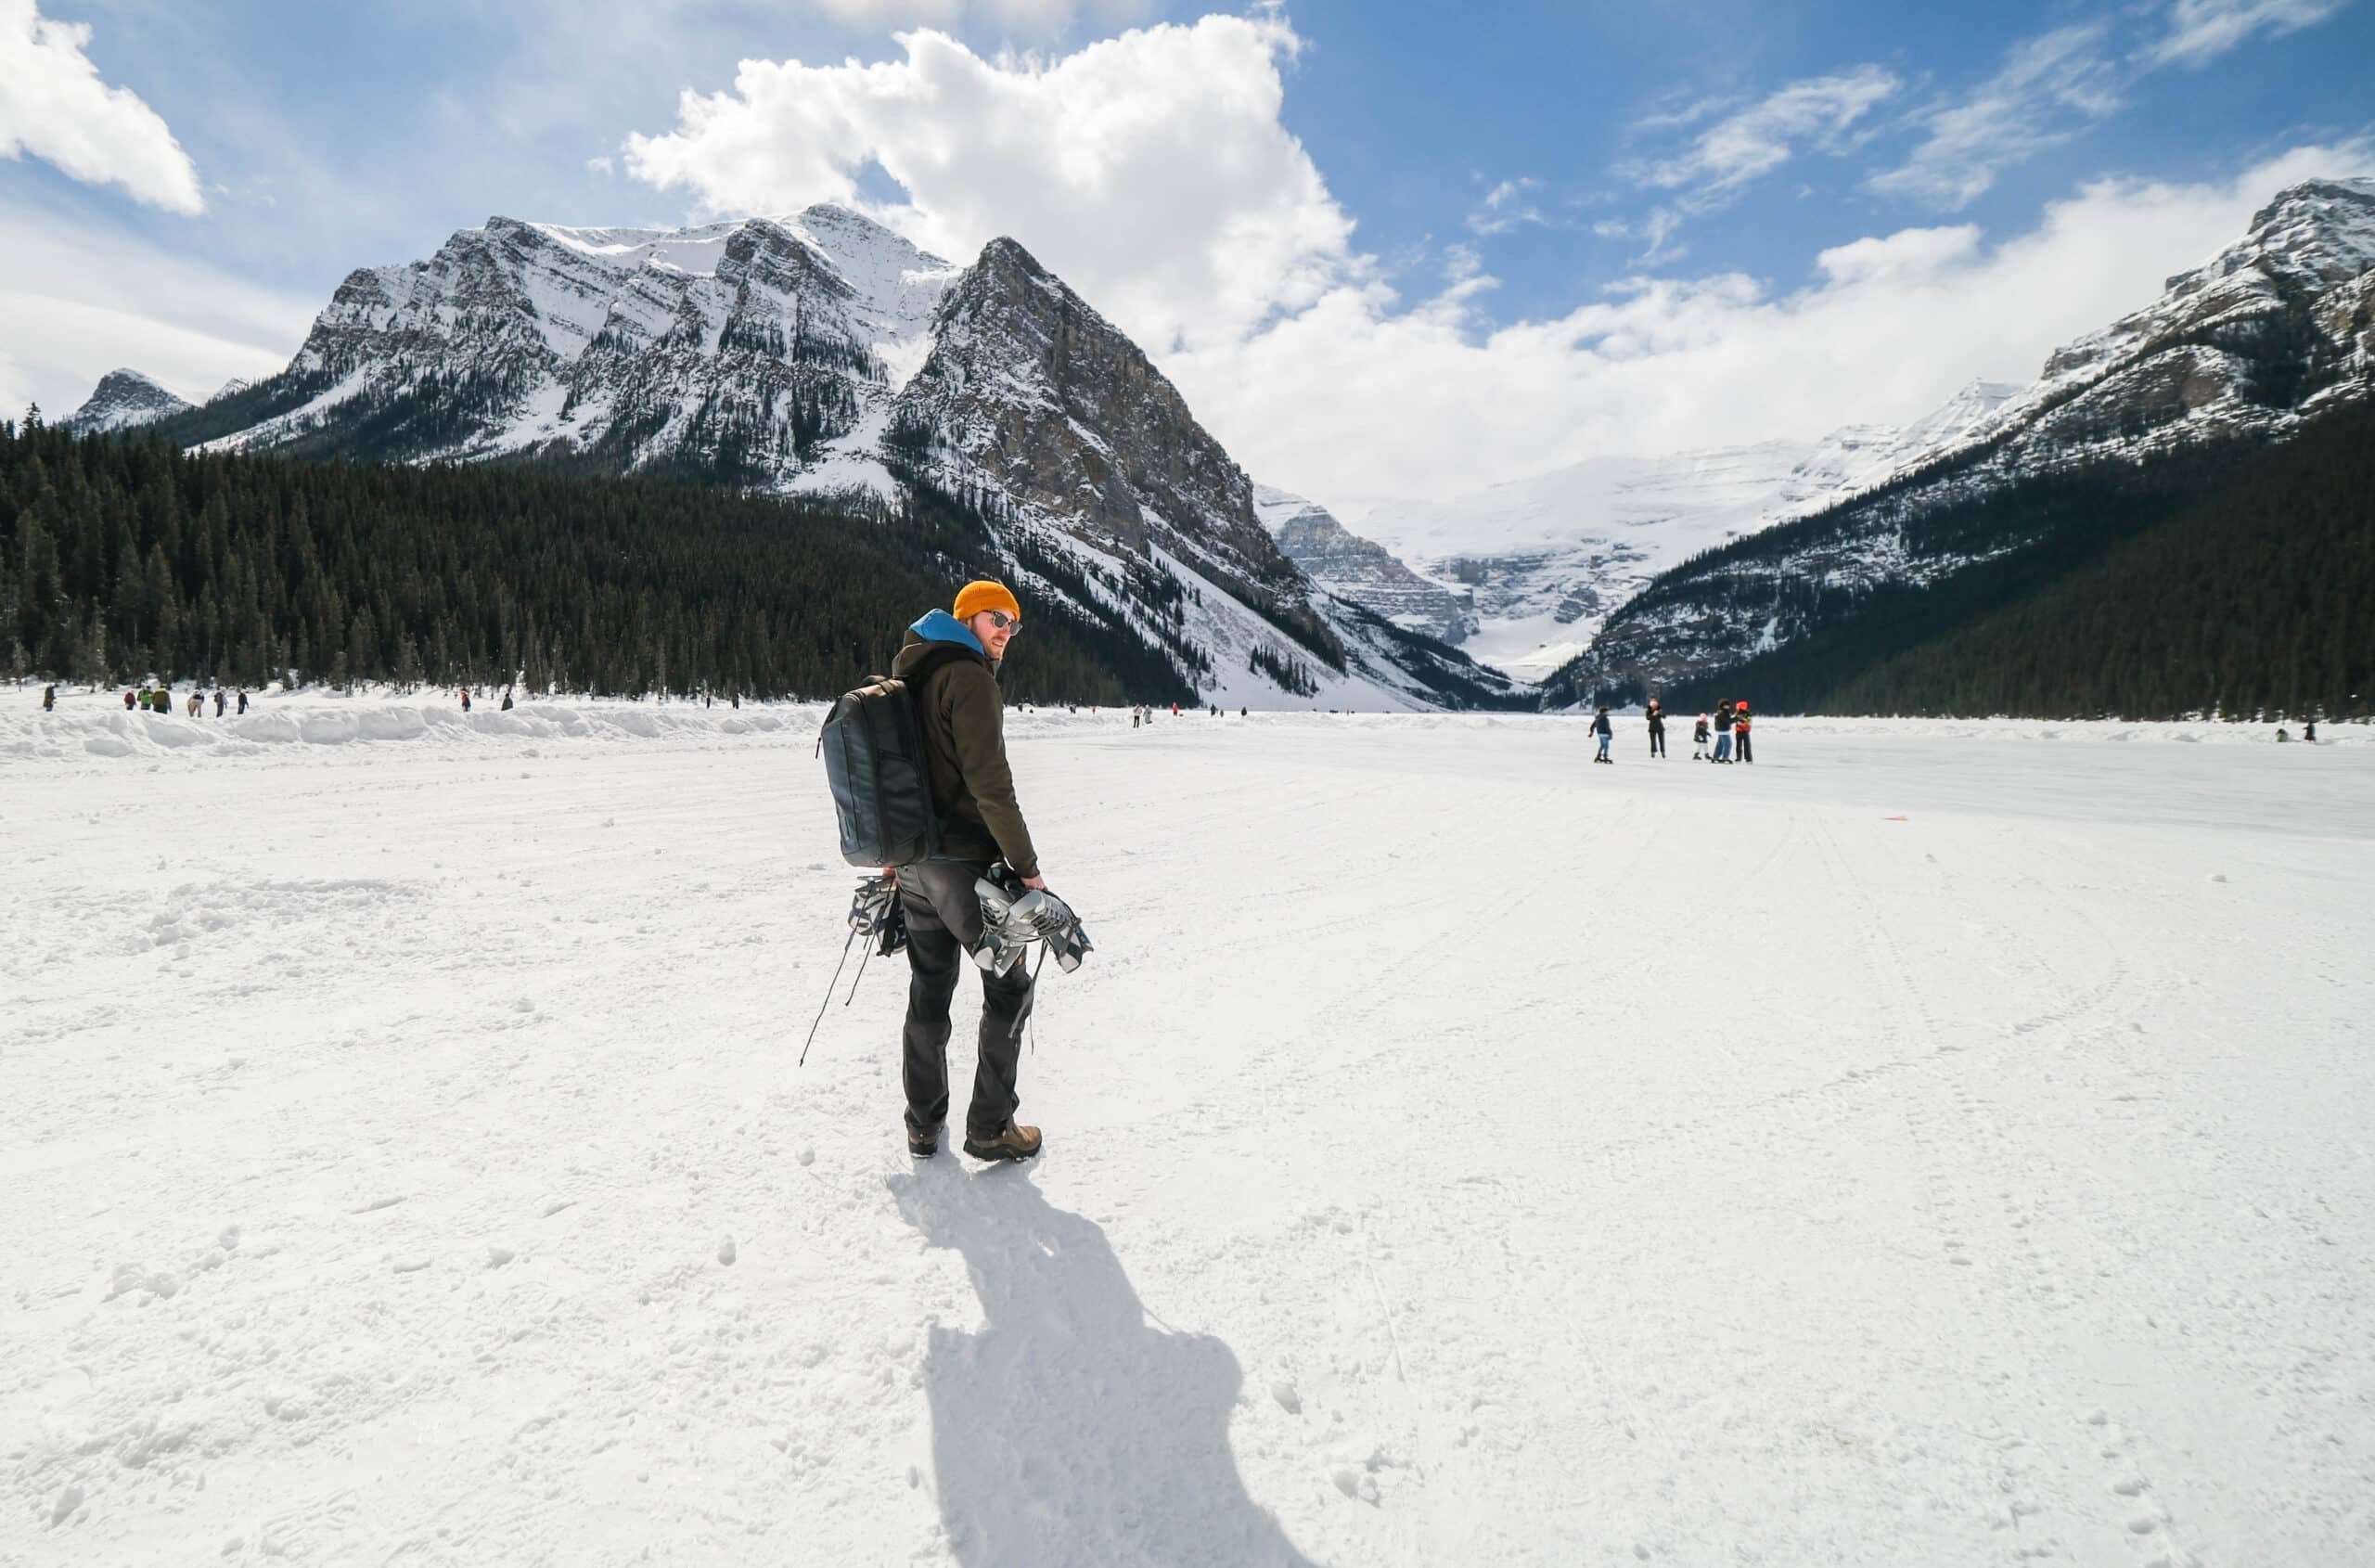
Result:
pixel 1039 882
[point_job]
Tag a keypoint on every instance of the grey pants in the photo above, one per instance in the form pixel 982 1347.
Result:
pixel 943 924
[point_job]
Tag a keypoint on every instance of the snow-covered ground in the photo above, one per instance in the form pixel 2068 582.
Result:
pixel 1935 1144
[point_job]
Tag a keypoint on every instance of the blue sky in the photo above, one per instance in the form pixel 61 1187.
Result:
pixel 1534 194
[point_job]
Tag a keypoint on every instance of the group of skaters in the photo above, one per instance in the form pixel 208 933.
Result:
pixel 160 699
pixel 1143 715
pixel 1714 739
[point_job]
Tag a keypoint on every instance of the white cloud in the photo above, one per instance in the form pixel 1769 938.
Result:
pixel 2055 85
pixel 1745 146
pixel 1653 231
pixel 1150 170
pixel 1506 208
pixel 54 105
pixel 1358 396
pixel 2201 31
pixel 78 301
pixel 1908 254
pixel 1030 17
pixel 602 165
pixel 2050 88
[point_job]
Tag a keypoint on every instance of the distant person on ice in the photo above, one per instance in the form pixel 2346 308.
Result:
pixel 1607 732
pixel 1740 730
pixel 1699 739
pixel 1723 732
pixel 972 789
pixel 466 702
pixel 1657 728
pixel 50 699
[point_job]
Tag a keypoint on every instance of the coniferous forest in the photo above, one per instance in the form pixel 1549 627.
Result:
pixel 2257 599
pixel 126 557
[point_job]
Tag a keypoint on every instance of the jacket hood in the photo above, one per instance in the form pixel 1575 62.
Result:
pixel 937 630
pixel 939 626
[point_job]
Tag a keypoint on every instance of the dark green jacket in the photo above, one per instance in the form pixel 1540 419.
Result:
pixel 964 720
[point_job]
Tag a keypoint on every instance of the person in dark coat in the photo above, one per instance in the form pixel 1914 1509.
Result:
pixel 1657 728
pixel 1723 732
pixel 49 699
pixel 1607 732
pixel 951 662
pixel 243 702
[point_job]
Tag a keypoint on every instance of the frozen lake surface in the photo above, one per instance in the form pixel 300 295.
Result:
pixel 1936 1144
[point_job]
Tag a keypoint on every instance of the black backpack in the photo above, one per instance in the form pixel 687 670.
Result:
pixel 873 745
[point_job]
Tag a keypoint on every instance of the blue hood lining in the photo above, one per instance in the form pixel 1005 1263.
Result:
pixel 939 626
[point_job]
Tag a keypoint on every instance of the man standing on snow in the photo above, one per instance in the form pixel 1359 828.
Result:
pixel 951 664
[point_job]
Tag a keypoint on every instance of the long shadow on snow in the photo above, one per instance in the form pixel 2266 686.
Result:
pixel 1070 1430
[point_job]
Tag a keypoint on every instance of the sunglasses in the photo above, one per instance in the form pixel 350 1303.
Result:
pixel 1003 622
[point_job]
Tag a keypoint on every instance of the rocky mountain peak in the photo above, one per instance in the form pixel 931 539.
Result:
pixel 1030 390
pixel 121 400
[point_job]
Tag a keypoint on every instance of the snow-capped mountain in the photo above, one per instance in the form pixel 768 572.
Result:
pixel 823 352
pixel 1359 569
pixel 1543 561
pixel 2271 332
pixel 742 348
pixel 121 400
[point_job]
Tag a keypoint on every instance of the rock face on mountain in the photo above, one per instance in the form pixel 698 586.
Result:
pixel 2267 335
pixel 1029 389
pixel 1357 569
pixel 737 350
pixel 121 400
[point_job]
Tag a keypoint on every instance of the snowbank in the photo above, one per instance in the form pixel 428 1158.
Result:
pixel 98 726
pixel 101 727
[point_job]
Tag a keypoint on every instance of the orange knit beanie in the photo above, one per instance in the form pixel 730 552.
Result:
pixel 974 598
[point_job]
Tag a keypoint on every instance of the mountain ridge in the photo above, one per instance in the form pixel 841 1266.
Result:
pixel 2244 349
pixel 823 352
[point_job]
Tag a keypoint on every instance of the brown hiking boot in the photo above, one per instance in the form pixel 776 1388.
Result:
pixel 924 1145
pixel 1014 1143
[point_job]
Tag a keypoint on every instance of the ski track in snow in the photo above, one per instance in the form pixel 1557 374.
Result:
pixel 1456 1152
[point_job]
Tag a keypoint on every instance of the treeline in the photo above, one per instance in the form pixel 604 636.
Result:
pixel 127 556
pixel 2255 601
pixel 2238 581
